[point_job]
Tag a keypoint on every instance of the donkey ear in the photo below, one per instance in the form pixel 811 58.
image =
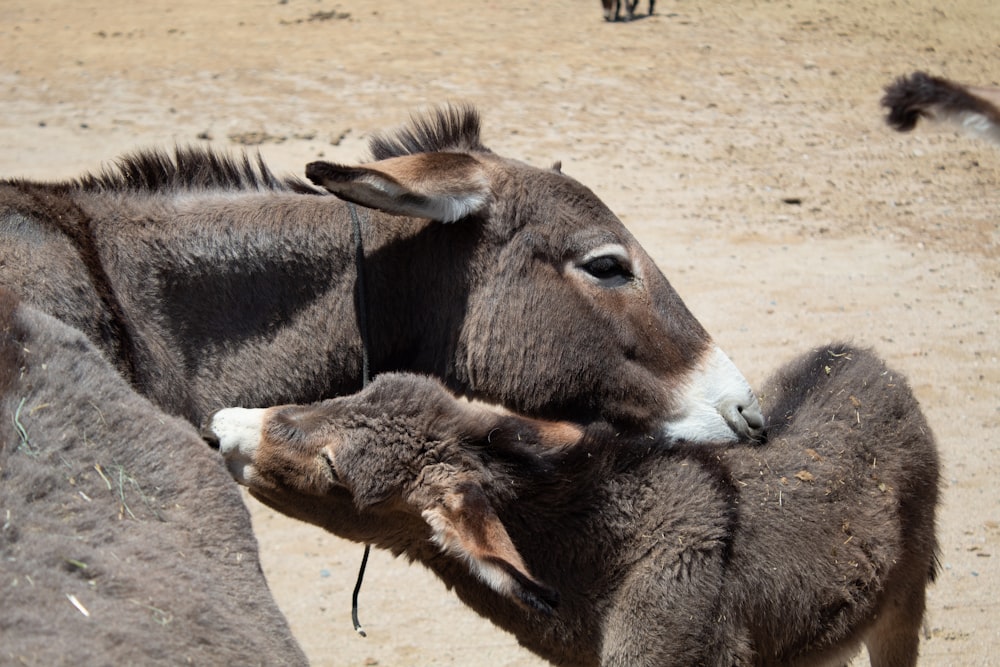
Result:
pixel 439 186
pixel 466 525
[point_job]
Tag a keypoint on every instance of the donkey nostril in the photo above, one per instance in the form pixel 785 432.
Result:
pixel 753 416
pixel 747 421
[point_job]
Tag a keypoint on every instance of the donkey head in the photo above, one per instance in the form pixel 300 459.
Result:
pixel 398 465
pixel 567 316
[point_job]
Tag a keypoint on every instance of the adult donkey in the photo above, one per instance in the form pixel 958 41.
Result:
pixel 210 282
pixel 122 541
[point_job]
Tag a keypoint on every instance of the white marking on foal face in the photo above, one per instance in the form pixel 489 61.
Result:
pixel 717 404
pixel 239 432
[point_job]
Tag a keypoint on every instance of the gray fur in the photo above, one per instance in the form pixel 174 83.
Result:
pixel 106 499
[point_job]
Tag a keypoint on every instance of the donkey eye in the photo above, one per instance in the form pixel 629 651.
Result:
pixel 609 270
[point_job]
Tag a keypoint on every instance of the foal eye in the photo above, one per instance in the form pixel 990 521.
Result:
pixel 609 270
pixel 330 466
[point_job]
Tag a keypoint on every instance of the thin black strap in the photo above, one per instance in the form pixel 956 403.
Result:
pixel 357 589
pixel 360 301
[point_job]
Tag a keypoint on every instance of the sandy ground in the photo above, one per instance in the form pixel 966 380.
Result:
pixel 697 125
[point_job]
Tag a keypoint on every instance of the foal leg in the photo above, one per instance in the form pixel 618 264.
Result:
pixel 667 615
pixel 894 639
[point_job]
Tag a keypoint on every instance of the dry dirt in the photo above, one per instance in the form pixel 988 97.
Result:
pixel 698 126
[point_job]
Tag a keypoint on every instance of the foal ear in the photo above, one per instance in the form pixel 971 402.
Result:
pixel 439 186
pixel 466 525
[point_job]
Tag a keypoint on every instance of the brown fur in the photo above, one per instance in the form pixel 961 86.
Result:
pixel 209 282
pixel 106 499
pixel 630 551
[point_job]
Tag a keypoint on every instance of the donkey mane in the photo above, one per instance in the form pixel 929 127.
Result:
pixel 449 128
pixel 189 168
pixel 445 129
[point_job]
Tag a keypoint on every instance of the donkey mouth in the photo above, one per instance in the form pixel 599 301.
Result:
pixel 716 404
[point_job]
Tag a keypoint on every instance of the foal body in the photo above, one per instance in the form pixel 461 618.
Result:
pixel 595 548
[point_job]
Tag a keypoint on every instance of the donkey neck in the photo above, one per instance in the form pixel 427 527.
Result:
pixel 418 281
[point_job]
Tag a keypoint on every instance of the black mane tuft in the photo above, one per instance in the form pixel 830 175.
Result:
pixel 191 168
pixel 448 128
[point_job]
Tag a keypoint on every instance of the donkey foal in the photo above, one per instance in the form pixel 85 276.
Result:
pixel 598 549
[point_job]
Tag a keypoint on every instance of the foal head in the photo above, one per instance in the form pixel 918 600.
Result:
pixel 401 465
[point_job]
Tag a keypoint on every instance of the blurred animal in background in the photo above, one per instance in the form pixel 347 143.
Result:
pixel 975 109
pixel 612 9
